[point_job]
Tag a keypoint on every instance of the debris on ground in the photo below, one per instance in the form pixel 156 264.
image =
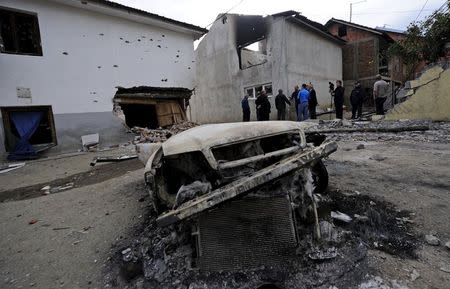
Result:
pixel 161 134
pixel 447 245
pixel 363 131
pixel 377 282
pixel 414 275
pixel 377 157
pixel 10 167
pixel 90 141
pixel 341 217
pixel 112 159
pixel 445 268
pixel 32 221
pixel 432 240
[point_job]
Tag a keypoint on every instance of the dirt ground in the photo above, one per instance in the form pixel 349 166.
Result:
pixel 77 231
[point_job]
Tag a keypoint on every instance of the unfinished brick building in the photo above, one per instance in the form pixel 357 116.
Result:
pixel 365 55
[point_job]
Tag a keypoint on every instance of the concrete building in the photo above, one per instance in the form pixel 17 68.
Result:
pixel 246 53
pixel 365 55
pixel 65 58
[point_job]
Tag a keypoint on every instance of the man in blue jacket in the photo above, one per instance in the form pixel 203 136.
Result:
pixel 303 99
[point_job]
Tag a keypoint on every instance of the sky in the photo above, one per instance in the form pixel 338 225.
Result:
pixel 393 14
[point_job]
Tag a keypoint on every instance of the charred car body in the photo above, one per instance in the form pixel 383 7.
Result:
pixel 241 186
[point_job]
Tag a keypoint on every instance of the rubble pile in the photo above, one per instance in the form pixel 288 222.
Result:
pixel 155 257
pixel 146 135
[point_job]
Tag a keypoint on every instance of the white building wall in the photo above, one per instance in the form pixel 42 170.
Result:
pixel 102 52
pixel 74 83
pixel 312 58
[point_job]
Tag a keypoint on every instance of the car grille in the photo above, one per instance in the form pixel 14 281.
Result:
pixel 248 232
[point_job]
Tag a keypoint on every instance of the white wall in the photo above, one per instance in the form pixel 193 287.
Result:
pixel 73 83
pixel 312 58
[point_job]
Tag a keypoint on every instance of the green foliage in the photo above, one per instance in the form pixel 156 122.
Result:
pixel 425 40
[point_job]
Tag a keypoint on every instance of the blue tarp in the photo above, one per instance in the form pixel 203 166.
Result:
pixel 26 123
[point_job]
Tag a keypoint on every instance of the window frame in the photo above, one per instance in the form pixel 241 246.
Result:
pixel 342 28
pixel 254 87
pixel 36 31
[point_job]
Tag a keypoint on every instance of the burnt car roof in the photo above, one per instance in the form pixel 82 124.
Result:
pixel 211 135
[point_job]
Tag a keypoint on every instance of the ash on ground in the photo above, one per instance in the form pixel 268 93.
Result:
pixel 153 257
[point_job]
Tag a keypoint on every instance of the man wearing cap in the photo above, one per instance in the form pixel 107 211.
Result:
pixel 380 90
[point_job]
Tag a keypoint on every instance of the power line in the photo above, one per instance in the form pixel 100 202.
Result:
pixel 389 12
pixel 421 10
pixel 223 14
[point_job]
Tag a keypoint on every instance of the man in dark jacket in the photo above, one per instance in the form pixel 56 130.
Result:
pixel 280 104
pixel 294 96
pixel 339 99
pixel 356 100
pixel 245 108
pixel 263 106
pixel 312 103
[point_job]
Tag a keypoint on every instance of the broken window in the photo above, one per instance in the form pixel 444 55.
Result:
pixel 254 54
pixel 342 31
pixel 254 91
pixel 19 33
pixel 32 125
pixel 251 40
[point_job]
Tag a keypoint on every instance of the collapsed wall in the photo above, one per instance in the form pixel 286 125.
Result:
pixel 429 98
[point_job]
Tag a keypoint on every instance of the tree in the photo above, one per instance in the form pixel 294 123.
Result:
pixel 425 40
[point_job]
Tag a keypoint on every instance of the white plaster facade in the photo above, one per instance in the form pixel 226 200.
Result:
pixel 296 53
pixel 89 48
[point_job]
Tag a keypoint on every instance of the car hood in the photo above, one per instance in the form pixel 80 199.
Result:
pixel 211 135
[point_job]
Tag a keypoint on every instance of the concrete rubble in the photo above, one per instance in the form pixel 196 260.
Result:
pixel 145 135
pixel 432 240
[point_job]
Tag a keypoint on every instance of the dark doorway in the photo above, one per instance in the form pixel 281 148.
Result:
pixel 28 130
pixel 140 115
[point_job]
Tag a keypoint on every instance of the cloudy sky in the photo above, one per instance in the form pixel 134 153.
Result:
pixel 394 14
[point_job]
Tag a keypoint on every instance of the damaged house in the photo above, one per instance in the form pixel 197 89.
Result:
pixel 248 53
pixel 61 62
pixel 365 55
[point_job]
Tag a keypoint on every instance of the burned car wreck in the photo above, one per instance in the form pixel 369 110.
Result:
pixel 241 187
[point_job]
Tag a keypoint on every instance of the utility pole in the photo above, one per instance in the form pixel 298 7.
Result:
pixel 351 8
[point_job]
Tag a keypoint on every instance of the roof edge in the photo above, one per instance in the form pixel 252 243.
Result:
pixel 334 20
pixel 152 16
pixel 323 33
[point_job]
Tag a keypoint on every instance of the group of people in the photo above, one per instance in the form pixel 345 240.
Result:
pixel 305 101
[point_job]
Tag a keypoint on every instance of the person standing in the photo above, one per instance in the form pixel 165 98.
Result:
pixel 303 98
pixel 245 108
pixel 294 96
pixel 380 89
pixel 312 103
pixel 280 104
pixel 339 99
pixel 263 106
pixel 356 99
